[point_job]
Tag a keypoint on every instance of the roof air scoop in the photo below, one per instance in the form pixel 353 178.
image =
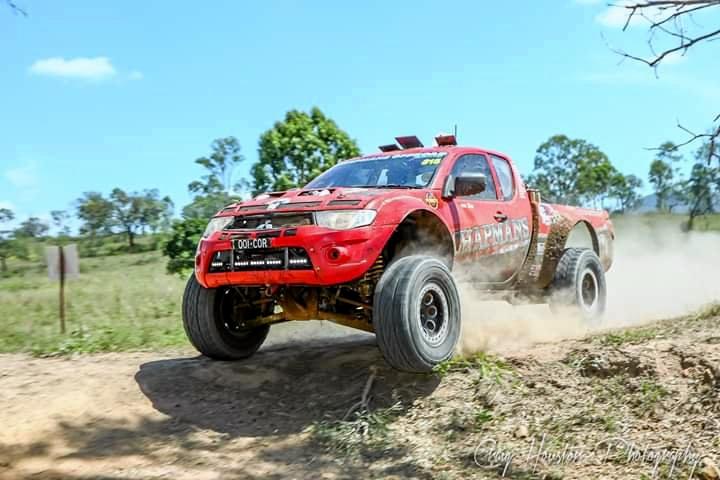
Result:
pixel 409 142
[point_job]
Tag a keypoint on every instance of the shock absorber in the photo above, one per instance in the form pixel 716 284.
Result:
pixel 370 279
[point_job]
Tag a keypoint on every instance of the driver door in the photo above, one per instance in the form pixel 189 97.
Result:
pixel 478 218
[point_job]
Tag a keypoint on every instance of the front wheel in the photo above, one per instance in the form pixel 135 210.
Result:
pixel 214 322
pixel 579 285
pixel 416 313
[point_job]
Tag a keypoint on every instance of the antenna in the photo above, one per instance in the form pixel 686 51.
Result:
pixel 455 131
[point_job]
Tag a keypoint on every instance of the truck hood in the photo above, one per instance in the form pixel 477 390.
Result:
pixel 314 199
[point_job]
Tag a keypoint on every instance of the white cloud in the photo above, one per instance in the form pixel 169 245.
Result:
pixel 616 16
pixel 24 177
pixel 136 75
pixel 8 205
pixel 96 68
pixel 674 58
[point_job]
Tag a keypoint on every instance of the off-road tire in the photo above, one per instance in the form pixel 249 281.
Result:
pixel 401 315
pixel 579 285
pixel 204 325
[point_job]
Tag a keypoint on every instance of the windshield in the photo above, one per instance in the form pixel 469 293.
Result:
pixel 390 171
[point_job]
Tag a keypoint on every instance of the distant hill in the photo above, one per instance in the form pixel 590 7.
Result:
pixel 648 204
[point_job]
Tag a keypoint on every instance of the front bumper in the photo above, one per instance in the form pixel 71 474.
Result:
pixel 337 256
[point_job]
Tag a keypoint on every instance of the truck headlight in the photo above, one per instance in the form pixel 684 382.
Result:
pixel 216 224
pixel 344 219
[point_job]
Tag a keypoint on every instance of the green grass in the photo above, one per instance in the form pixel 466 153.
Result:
pixel 482 417
pixel 486 365
pixel 121 302
pixel 632 336
pixel 651 393
pixel 366 429
pixel 666 220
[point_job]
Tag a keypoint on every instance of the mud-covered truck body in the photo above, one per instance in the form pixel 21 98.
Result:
pixel 371 244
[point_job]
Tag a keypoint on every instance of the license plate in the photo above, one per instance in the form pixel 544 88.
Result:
pixel 252 243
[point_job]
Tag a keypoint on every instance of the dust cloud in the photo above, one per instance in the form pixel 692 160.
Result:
pixel 658 272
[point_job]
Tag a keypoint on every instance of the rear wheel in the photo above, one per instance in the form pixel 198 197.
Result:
pixel 579 285
pixel 214 321
pixel 416 313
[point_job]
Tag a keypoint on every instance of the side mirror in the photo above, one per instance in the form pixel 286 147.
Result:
pixel 468 184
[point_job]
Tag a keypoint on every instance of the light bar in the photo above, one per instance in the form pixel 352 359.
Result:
pixel 410 141
pixel 390 147
pixel 445 139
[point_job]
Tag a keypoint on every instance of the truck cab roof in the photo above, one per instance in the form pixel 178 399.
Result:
pixel 455 149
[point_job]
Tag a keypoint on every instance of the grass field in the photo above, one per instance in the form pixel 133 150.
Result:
pixel 128 302
pixel 122 302
pixel 702 223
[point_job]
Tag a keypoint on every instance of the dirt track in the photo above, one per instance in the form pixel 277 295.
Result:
pixel 175 415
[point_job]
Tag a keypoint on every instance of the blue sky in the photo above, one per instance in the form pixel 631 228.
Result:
pixel 95 95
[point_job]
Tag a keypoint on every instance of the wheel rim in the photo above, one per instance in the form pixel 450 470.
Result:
pixel 229 316
pixel 589 290
pixel 433 314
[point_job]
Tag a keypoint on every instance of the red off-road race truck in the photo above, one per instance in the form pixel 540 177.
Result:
pixel 371 244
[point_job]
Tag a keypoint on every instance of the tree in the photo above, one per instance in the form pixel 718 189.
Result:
pixel 96 213
pixel 217 187
pixel 625 188
pixel 135 212
pixel 6 215
pixel 299 148
pixel 571 170
pixel 180 247
pixel 595 178
pixel 32 227
pixel 205 206
pixel 702 188
pixel 700 191
pixel 155 212
pixel 212 193
pixel 661 178
pixel 60 219
pixel 220 165
pixel 666 178
pixel 130 213
pixel 9 243
pixel 126 213
pixel 673 25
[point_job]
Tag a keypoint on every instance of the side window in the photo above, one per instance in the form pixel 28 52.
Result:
pixel 475 163
pixel 504 174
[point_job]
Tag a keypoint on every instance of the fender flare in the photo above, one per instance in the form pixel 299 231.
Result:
pixel 444 230
pixel 555 246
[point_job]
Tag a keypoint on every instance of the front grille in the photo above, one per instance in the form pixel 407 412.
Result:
pixel 291 258
pixel 270 221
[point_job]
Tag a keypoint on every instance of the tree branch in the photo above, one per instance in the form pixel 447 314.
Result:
pixel 14 7
pixel 667 17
